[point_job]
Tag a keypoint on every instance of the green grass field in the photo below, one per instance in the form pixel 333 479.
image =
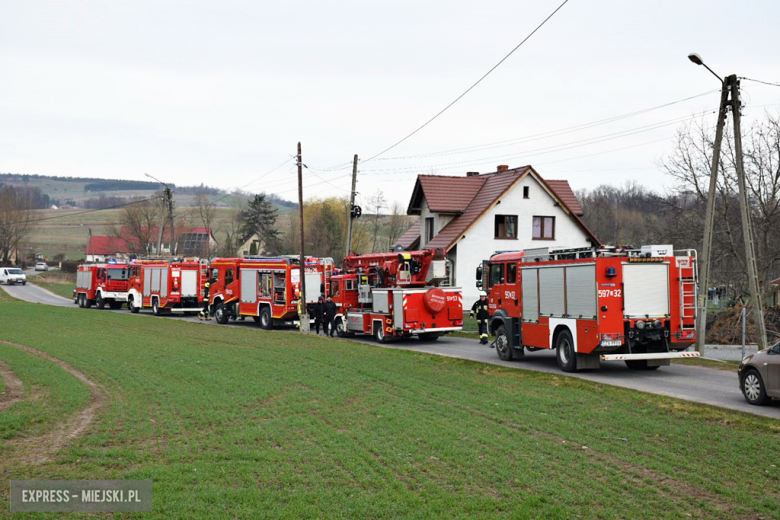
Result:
pixel 232 421
pixel 58 282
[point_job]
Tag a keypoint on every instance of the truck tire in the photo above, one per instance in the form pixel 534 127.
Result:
pixel 87 302
pixel 429 336
pixel 564 349
pixel 131 305
pixel 80 298
pixel 100 303
pixel 503 349
pixel 156 310
pixel 379 333
pixel 76 298
pixel 341 329
pixel 266 320
pixel 220 315
pixel 640 364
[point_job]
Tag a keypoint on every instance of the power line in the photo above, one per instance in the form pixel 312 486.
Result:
pixel 551 133
pixel 472 86
pixel 759 81
pixel 252 182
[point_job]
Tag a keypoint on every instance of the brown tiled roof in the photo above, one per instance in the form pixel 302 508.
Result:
pixel 565 193
pixel 411 238
pixel 479 193
pixel 447 194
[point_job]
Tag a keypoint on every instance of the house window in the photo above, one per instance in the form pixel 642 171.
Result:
pixel 429 229
pixel 506 226
pixel 525 192
pixel 511 273
pixel 544 228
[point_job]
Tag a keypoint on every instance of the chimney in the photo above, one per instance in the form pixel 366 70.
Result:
pixel 502 168
pixel 472 174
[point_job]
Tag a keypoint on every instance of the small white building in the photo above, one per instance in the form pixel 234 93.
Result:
pixel 474 216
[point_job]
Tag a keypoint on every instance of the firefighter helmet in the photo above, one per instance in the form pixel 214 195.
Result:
pixel 482 293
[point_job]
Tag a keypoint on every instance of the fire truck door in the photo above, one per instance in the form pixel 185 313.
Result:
pixel 646 290
pixel 164 282
pixel 530 294
pixel 147 281
pixel 581 291
pixel 313 285
pixel 248 285
pixel 189 283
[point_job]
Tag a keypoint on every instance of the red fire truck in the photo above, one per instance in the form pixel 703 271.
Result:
pixel 168 285
pixel 265 288
pixel 393 295
pixel 593 305
pixel 101 284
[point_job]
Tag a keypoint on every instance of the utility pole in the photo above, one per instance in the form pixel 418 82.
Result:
pixel 730 86
pixel 351 205
pixel 303 315
pixel 174 244
pixel 747 223
pixel 709 221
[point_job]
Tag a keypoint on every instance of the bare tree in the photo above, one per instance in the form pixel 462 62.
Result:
pixel 137 224
pixel 396 225
pixel 375 204
pixel 17 220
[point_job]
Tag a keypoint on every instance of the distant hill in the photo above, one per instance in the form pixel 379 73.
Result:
pixel 88 192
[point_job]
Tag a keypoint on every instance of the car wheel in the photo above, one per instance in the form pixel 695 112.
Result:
pixel 266 320
pixel 131 305
pixel 502 345
pixel 640 364
pixel 100 302
pixel 753 388
pixel 564 348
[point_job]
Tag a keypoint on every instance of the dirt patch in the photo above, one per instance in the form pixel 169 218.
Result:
pixel 36 450
pixel 13 390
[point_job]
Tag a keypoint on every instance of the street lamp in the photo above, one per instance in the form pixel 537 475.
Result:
pixel 158 180
pixel 89 242
pixel 167 203
pixel 695 58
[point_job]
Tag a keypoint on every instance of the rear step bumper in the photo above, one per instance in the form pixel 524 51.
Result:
pixel 657 355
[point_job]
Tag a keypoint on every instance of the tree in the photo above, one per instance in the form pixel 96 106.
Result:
pixel 396 225
pixel 16 220
pixel 260 217
pixel 375 205
pixel 137 224
pixel 689 166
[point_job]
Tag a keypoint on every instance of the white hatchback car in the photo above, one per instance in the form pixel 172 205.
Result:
pixel 12 275
pixel 41 266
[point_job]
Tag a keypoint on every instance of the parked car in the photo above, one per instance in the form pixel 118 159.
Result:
pixel 12 275
pixel 759 376
pixel 41 266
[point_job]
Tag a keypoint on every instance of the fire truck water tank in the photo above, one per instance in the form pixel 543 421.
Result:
pixel 435 300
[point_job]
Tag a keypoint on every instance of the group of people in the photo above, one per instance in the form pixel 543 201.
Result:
pixel 325 311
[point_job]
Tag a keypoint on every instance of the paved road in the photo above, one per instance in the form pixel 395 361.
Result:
pixel 703 385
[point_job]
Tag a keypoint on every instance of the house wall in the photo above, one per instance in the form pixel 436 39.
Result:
pixel 480 243
pixel 439 221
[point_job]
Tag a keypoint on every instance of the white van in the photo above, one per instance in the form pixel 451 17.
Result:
pixel 12 275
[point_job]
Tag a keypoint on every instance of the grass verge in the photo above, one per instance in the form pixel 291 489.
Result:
pixel 236 421
pixel 58 282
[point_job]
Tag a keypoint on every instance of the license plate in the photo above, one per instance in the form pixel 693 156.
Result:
pixel 611 343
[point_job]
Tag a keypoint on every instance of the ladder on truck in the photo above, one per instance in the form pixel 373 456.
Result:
pixel 686 271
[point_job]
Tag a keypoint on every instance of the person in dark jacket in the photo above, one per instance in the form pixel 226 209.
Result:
pixel 204 314
pixel 329 315
pixel 480 308
pixel 319 313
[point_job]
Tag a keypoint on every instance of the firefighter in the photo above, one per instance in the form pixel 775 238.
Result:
pixel 329 315
pixel 480 307
pixel 319 313
pixel 204 314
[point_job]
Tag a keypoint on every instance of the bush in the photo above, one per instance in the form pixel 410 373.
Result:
pixel 70 266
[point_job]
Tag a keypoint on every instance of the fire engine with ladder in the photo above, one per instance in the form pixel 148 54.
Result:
pixel 101 285
pixel 394 295
pixel 265 288
pixel 167 285
pixel 593 305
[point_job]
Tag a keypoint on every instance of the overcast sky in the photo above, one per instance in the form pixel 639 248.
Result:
pixel 221 92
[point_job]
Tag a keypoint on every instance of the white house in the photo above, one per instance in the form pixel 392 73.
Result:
pixel 474 216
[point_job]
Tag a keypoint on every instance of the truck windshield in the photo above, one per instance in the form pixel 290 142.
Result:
pixel 117 274
pixel 15 271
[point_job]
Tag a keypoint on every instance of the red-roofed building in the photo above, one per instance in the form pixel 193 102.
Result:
pixel 197 241
pixel 472 217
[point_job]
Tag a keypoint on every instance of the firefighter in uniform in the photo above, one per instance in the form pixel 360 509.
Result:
pixel 480 307
pixel 204 313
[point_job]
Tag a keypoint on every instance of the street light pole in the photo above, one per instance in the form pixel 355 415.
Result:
pixel 167 205
pixel 728 86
